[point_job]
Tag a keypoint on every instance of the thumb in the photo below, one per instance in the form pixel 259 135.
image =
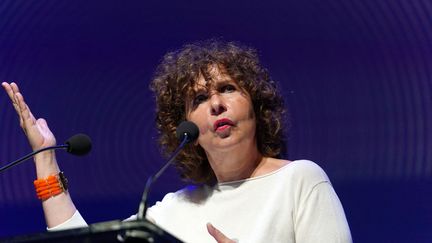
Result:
pixel 43 126
pixel 42 123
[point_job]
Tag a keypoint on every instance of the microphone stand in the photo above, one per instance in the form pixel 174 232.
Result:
pixel 143 204
pixel 18 161
pixel 78 144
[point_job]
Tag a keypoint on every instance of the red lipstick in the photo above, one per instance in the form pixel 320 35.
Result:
pixel 223 123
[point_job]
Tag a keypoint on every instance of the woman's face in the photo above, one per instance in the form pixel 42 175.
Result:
pixel 222 111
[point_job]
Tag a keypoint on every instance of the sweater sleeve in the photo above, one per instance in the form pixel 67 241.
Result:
pixel 76 221
pixel 321 218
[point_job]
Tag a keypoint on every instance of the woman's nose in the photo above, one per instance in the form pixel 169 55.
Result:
pixel 217 104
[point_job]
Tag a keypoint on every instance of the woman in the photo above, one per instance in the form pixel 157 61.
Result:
pixel 241 192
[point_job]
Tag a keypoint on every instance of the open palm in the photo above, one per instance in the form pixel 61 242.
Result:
pixel 36 130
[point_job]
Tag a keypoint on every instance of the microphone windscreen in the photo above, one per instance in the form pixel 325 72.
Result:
pixel 189 128
pixel 79 144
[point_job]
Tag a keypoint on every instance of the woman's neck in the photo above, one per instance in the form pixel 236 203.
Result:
pixel 235 165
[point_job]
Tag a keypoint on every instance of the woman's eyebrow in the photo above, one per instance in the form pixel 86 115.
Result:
pixel 225 82
pixel 200 89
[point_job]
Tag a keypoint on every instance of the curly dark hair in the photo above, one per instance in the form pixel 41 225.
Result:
pixel 174 80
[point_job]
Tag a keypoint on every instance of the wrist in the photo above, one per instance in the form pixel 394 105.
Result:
pixel 45 157
pixel 46 164
pixel 51 186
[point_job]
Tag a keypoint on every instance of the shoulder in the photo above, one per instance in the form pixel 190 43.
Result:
pixel 304 167
pixel 297 169
pixel 304 172
pixel 308 168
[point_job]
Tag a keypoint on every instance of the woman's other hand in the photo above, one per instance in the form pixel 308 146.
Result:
pixel 218 235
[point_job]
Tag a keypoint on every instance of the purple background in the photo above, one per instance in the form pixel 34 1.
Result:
pixel 356 76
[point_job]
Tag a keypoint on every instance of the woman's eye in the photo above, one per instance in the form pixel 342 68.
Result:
pixel 228 88
pixel 199 99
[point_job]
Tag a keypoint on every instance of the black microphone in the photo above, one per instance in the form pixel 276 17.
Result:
pixel 79 144
pixel 188 129
pixel 186 132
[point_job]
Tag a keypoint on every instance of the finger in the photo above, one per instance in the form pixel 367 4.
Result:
pixel 16 91
pixel 9 90
pixel 217 234
pixel 14 87
pixel 25 114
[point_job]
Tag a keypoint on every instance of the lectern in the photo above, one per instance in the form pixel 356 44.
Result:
pixel 111 231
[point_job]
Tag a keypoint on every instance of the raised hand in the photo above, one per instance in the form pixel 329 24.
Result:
pixel 59 208
pixel 218 235
pixel 36 130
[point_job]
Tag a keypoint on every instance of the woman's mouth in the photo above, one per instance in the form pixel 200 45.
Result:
pixel 222 124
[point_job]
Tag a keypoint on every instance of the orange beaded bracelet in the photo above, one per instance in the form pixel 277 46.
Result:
pixel 51 186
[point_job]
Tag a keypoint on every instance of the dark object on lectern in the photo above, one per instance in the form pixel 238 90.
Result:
pixel 111 231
